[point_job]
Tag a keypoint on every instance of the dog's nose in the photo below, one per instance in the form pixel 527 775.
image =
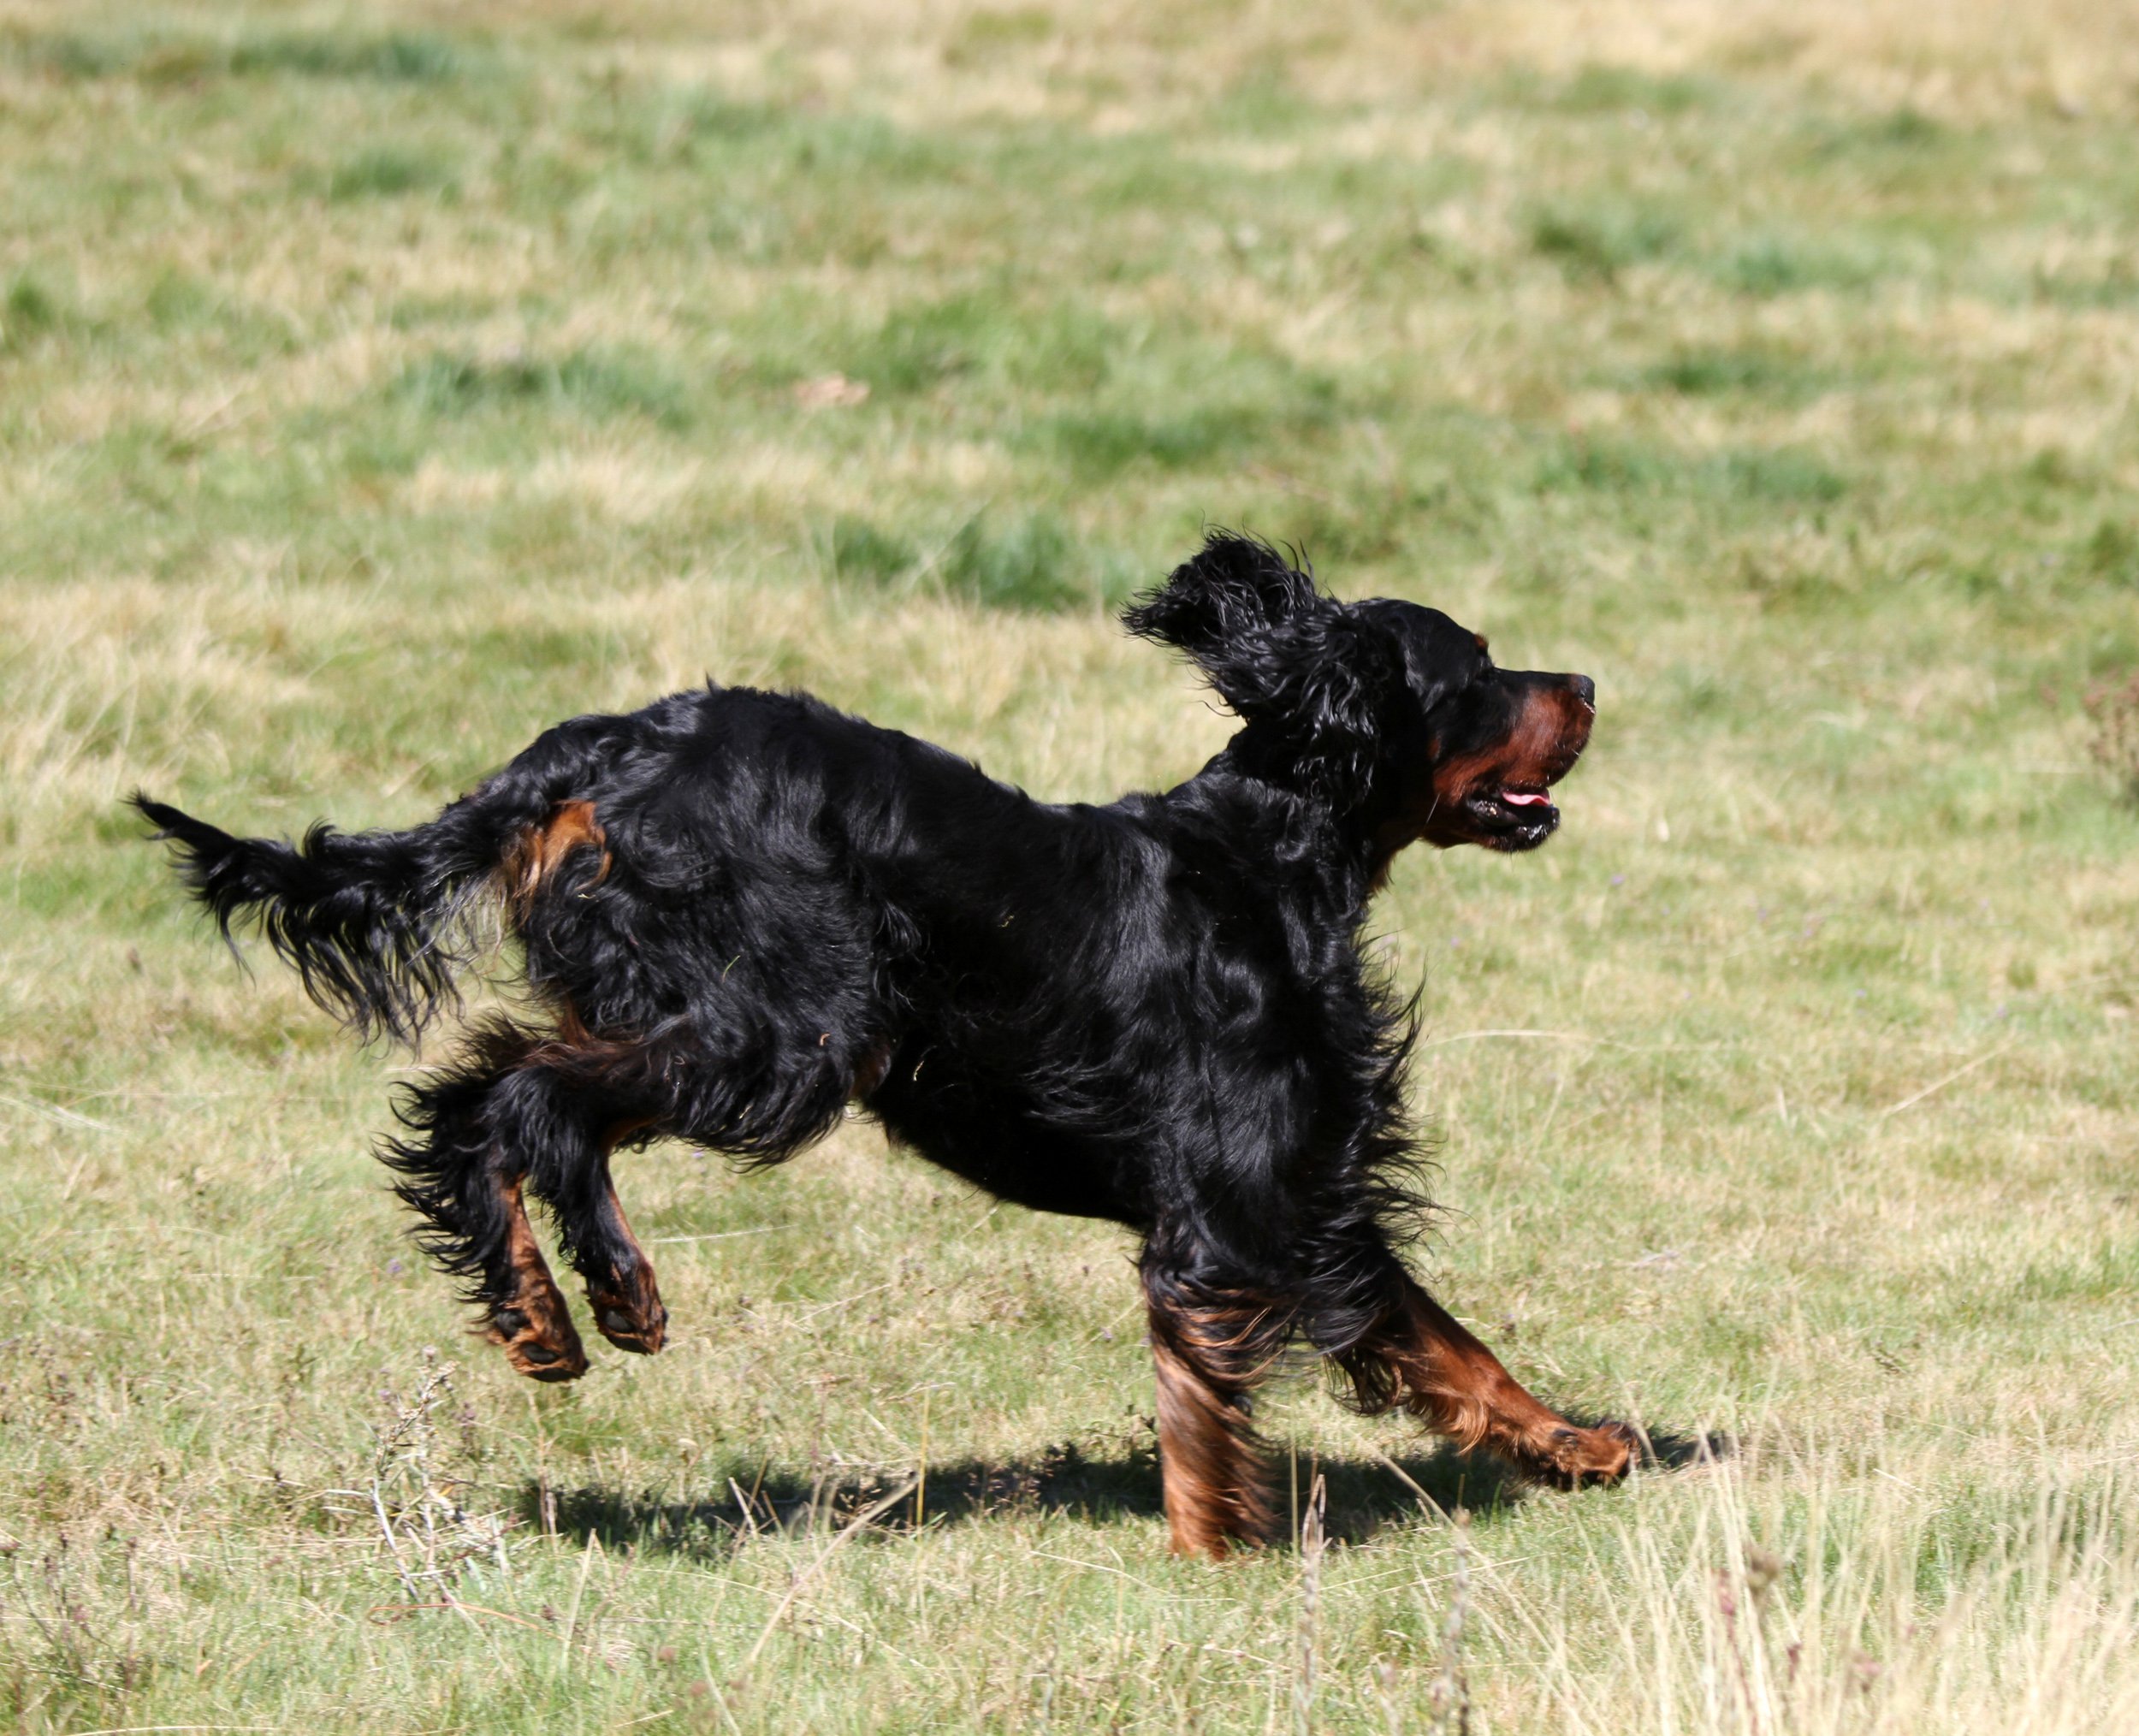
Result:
pixel 1584 690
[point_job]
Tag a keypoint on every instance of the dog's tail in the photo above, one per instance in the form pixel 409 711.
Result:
pixel 371 920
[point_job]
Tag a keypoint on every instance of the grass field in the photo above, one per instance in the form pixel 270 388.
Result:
pixel 380 383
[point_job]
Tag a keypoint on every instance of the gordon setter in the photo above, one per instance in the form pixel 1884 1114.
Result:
pixel 742 911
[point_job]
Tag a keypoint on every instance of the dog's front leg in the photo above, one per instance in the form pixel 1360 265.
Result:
pixel 1209 1355
pixel 1434 1368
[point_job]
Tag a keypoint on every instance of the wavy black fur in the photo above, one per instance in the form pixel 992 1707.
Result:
pixel 1156 1012
pixel 367 919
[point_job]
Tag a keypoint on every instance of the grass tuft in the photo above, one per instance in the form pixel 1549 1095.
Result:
pixel 2112 553
pixel 30 308
pixel 1712 373
pixel 1034 563
pixel 861 549
pixel 397 57
pixel 1100 444
pixel 918 348
pixel 594 383
pixel 1772 265
pixel 1601 242
pixel 1623 466
pixel 159 56
pixel 1603 89
pixel 388 171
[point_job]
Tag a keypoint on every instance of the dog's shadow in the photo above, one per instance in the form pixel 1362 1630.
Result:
pixel 1363 1497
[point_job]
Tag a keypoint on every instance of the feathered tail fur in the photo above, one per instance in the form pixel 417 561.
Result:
pixel 369 920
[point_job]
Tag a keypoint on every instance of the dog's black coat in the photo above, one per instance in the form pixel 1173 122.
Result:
pixel 1155 1011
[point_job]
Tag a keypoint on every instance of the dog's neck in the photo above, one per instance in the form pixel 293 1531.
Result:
pixel 1276 808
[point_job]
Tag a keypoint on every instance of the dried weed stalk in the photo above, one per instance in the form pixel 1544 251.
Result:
pixel 91 1650
pixel 1314 1545
pixel 415 1494
pixel 1452 1688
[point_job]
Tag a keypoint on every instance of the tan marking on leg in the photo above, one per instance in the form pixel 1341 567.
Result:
pixel 1423 1358
pixel 533 1324
pixel 1210 1465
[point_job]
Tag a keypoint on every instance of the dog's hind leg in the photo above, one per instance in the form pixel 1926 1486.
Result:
pixel 463 1170
pixel 1210 1348
pixel 531 1322
pixel 1419 1357
pixel 562 1110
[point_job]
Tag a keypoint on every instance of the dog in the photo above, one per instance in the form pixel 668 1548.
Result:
pixel 742 912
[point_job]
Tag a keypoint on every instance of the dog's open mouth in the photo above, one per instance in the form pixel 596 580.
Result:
pixel 1515 816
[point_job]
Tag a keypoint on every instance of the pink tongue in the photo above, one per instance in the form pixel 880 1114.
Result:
pixel 1522 798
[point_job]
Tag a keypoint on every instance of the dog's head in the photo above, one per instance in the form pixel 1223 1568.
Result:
pixel 1381 707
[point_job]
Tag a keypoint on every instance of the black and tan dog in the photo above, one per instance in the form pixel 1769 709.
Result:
pixel 744 910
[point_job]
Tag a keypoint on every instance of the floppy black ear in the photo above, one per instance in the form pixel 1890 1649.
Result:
pixel 1236 585
pixel 1434 663
pixel 1313 673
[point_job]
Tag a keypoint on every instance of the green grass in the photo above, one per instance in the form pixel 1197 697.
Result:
pixel 379 385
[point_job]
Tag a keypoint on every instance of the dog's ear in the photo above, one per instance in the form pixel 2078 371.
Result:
pixel 1313 673
pixel 1235 585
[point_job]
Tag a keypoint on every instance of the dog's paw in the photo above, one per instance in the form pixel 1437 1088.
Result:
pixel 631 1315
pixel 542 1345
pixel 1574 1456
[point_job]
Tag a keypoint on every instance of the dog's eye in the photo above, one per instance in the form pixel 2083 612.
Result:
pixel 1456 690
